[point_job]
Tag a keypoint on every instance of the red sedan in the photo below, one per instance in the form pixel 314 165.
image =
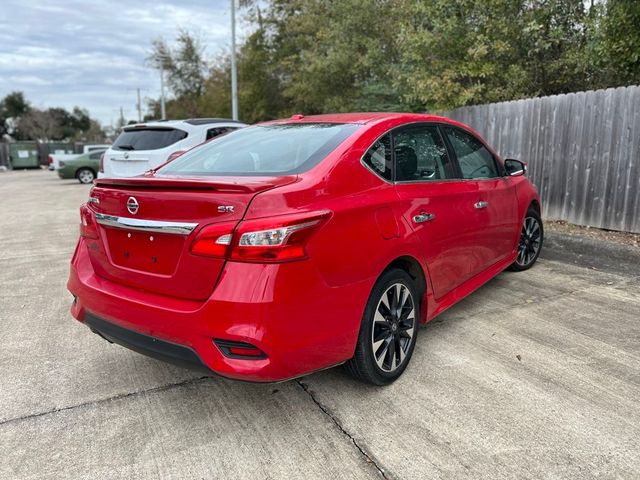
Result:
pixel 300 244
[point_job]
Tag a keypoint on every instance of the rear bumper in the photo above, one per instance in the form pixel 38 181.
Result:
pixel 145 344
pixel 285 310
pixel 66 172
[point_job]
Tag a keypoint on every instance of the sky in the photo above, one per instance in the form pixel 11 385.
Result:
pixel 91 53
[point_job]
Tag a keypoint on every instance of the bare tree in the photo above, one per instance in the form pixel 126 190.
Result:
pixel 40 125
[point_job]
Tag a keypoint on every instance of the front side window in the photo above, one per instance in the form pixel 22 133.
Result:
pixel 281 149
pixel 421 155
pixel 379 157
pixel 475 160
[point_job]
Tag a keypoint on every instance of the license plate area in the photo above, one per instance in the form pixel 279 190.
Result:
pixel 148 252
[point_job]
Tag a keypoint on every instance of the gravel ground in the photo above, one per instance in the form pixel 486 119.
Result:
pixel 565 228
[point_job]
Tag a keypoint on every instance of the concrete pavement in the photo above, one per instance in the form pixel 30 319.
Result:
pixel 536 375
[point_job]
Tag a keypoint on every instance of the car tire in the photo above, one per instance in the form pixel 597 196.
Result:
pixel 85 176
pixel 388 334
pixel 530 243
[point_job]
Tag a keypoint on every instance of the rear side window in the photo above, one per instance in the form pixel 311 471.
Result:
pixel 379 157
pixel 96 155
pixel 263 150
pixel 421 155
pixel 148 138
pixel 475 160
pixel 216 132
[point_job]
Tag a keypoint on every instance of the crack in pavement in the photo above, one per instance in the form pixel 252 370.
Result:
pixel 368 458
pixel 325 410
pixel 159 388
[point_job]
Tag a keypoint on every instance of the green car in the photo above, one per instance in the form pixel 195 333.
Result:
pixel 84 167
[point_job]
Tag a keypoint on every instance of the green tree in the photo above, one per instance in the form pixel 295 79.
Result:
pixel 620 48
pixel 331 55
pixel 479 51
pixel 316 56
pixel 186 70
pixel 12 107
pixel 553 44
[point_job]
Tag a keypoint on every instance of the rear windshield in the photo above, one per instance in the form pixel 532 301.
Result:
pixel 147 138
pixel 263 150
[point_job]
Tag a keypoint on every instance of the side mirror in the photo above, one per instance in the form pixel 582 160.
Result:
pixel 515 168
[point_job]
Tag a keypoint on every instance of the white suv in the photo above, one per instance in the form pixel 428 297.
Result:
pixel 144 146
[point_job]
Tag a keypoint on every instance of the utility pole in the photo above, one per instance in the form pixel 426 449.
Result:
pixel 139 106
pixel 163 113
pixel 234 71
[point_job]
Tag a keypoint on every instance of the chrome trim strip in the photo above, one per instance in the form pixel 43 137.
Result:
pixel 175 228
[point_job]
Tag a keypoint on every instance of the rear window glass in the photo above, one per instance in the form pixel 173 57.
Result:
pixel 148 138
pixel 263 150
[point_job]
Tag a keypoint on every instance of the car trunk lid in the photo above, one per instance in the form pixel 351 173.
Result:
pixel 127 164
pixel 147 225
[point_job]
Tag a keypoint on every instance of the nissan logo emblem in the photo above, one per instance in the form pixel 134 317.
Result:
pixel 132 205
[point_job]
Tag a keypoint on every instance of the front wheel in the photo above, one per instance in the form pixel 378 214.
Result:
pixel 388 330
pixel 85 175
pixel 530 243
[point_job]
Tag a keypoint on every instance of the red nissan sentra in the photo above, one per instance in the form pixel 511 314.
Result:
pixel 300 244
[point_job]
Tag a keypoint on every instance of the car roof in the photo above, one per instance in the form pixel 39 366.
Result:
pixel 182 122
pixel 92 152
pixel 363 118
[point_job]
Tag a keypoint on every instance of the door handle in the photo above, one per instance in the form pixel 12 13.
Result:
pixel 481 204
pixel 424 217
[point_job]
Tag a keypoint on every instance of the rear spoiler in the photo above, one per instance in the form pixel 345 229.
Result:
pixel 219 184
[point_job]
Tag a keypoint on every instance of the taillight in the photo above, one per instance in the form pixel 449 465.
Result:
pixel 213 240
pixel 101 169
pixel 175 155
pixel 267 240
pixel 61 164
pixel 50 158
pixel 88 227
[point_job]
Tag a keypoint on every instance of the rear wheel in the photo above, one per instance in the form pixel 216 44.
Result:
pixel 85 175
pixel 530 243
pixel 388 330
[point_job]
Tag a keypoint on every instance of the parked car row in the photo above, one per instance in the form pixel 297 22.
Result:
pixel 56 158
pixel 84 167
pixel 140 147
pixel 295 245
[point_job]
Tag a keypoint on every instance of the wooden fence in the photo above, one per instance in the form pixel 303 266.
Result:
pixel 583 151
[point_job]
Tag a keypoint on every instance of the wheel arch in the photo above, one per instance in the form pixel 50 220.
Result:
pixel 95 174
pixel 413 267
pixel 536 206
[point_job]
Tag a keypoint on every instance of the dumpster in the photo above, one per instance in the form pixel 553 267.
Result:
pixel 45 150
pixel 59 147
pixel 23 155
